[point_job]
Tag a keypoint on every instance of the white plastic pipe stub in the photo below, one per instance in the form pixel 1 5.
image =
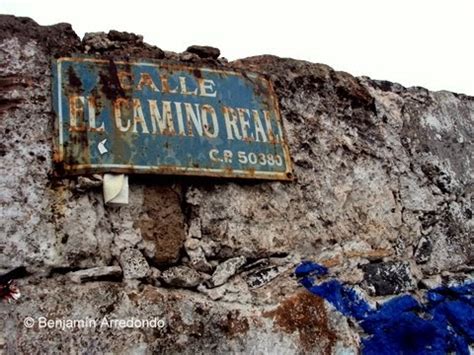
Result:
pixel 115 189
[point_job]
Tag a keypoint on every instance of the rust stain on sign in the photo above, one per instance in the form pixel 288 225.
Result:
pixel 157 117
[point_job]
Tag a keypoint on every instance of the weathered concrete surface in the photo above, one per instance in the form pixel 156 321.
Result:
pixel 191 322
pixel 383 195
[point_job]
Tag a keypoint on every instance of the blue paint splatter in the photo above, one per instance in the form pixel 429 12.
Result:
pixel 309 268
pixel 402 325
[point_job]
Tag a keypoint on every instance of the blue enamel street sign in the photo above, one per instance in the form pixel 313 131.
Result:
pixel 157 117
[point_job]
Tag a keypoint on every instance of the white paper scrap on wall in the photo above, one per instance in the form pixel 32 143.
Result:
pixel 115 189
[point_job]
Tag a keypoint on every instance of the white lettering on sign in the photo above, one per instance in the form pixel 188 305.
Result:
pixel 174 117
pixel 190 119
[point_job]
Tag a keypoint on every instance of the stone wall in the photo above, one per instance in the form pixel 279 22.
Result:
pixel 383 196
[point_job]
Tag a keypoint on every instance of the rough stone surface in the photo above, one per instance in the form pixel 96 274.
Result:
pixel 162 223
pixel 262 275
pixel 382 196
pixel 133 264
pixel 121 44
pixel 191 320
pixel 204 51
pixel 383 279
pixel 182 276
pixel 226 270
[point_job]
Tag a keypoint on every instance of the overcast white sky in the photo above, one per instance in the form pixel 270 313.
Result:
pixel 426 43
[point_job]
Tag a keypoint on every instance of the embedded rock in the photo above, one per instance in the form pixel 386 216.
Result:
pixel 122 44
pixel 97 40
pixel 204 51
pixel 134 264
pixel 162 223
pixel 423 250
pixel 388 278
pixel 263 276
pixel 96 273
pixel 182 276
pixel 226 270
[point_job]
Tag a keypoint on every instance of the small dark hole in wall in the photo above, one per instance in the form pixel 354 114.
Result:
pixel 468 213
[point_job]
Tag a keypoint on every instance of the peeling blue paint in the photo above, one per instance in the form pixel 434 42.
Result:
pixel 443 323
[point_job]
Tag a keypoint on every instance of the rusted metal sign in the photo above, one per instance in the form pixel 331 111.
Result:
pixel 157 117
